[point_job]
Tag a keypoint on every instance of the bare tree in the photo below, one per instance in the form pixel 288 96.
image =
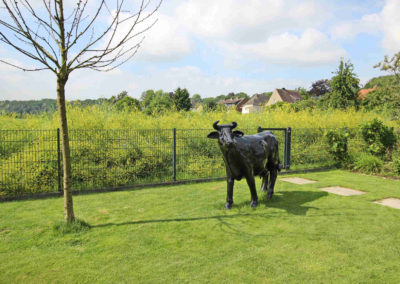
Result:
pixel 85 35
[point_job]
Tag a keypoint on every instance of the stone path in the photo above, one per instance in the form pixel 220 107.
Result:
pixel 298 180
pixel 390 202
pixel 342 191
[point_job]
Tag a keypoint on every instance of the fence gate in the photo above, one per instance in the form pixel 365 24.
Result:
pixel 284 136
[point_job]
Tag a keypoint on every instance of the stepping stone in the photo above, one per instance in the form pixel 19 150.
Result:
pixel 342 191
pixel 391 202
pixel 298 180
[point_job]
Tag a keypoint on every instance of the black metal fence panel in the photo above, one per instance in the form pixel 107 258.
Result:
pixel 197 156
pixel 309 149
pixel 30 160
pixel 113 158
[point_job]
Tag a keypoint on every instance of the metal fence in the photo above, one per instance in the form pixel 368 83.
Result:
pixel 30 159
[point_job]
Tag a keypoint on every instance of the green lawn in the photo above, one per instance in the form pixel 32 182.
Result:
pixel 183 234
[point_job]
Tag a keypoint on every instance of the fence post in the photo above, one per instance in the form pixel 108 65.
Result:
pixel 60 189
pixel 288 147
pixel 174 154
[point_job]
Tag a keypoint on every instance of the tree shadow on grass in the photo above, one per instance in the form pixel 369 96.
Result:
pixel 292 201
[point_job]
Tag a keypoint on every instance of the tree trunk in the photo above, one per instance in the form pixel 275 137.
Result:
pixel 66 154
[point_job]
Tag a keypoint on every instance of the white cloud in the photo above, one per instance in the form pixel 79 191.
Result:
pixel 17 85
pixel 310 48
pixel 370 23
pixel 386 22
pixel 252 21
pixel 284 32
pixel 166 41
pixel 207 85
pixel 391 26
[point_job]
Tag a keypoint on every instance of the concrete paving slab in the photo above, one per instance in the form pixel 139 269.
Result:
pixel 298 180
pixel 342 191
pixel 390 202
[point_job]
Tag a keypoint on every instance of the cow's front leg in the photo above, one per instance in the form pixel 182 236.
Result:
pixel 229 195
pixel 273 176
pixel 253 191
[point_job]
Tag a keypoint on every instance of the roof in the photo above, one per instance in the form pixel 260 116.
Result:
pixel 362 94
pixel 289 95
pixel 231 101
pixel 242 103
pixel 258 100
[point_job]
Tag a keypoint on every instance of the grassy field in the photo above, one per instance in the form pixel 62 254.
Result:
pixel 182 234
pixel 101 117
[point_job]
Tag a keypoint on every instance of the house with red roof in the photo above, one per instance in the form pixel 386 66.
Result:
pixel 363 93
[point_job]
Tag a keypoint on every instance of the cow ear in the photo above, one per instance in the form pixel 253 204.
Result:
pixel 238 133
pixel 213 135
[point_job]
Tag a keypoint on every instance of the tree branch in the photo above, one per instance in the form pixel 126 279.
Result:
pixel 23 68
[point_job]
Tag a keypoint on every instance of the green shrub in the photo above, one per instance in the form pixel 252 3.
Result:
pixel 308 104
pixel 379 138
pixel 368 163
pixel 396 165
pixel 337 141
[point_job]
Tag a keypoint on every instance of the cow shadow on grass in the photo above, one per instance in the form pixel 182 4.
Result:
pixel 291 201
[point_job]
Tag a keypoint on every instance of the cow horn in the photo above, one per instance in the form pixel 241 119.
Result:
pixel 234 124
pixel 215 125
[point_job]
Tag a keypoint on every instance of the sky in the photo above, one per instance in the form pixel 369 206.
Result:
pixel 217 47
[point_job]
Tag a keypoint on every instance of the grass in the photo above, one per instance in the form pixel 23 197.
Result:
pixel 182 234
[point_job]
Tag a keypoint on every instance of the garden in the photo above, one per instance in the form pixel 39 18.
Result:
pixel 107 154
pixel 184 234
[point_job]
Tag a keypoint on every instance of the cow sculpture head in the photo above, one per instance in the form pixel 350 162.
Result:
pixel 224 133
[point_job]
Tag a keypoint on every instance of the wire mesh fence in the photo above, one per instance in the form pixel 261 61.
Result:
pixel 197 157
pixel 114 158
pixel 30 160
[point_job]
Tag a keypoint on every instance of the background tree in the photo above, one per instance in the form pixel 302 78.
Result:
pixel 127 103
pixel 62 38
pixel 320 88
pixel 303 93
pixel 220 98
pixel 196 98
pixel 391 64
pixel 181 99
pixel 146 98
pixel 344 87
pixel 160 103
pixel 242 95
pixel 120 96
pixel 210 104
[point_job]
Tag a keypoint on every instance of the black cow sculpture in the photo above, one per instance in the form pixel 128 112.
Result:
pixel 247 156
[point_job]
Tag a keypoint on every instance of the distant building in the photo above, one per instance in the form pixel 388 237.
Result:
pixel 239 106
pixel 362 94
pixel 255 104
pixel 283 95
pixel 235 103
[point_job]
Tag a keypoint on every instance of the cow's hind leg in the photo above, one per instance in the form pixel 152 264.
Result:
pixel 271 185
pixel 229 195
pixel 264 184
pixel 253 191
